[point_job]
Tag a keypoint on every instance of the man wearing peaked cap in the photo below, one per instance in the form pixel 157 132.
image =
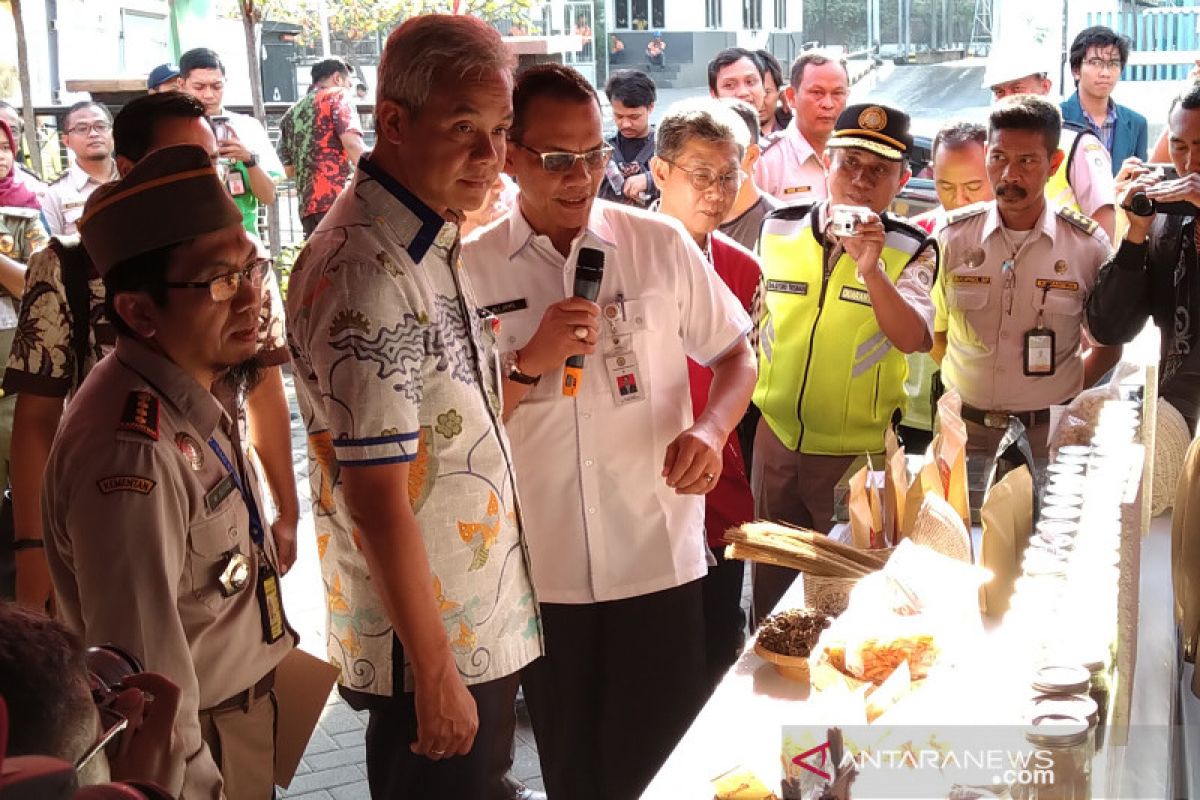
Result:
pixel 847 297
pixel 179 573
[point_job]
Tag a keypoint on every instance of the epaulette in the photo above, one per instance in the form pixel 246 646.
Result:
pixel 892 222
pixel 966 212
pixel 140 414
pixel 1085 224
pixel 792 211
pixel 765 143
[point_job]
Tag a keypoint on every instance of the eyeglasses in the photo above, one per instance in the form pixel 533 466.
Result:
pixel 594 160
pixel 223 287
pixel 1102 63
pixel 84 128
pixel 702 179
pixel 114 722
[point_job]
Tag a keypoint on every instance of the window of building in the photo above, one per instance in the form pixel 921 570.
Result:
pixel 639 15
pixel 712 13
pixel 752 14
pixel 781 14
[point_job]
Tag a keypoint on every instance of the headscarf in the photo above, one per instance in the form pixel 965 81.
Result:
pixel 13 192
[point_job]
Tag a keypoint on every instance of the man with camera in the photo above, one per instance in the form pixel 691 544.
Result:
pixel 91 712
pixel 254 168
pixel 847 297
pixel 1154 273
pixel 153 519
pixel 1010 327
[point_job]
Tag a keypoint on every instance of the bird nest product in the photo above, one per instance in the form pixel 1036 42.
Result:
pixel 1171 440
pixel 793 632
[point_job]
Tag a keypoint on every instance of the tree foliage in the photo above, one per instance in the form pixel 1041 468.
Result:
pixel 356 20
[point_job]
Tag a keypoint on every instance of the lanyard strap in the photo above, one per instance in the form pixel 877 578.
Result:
pixel 256 527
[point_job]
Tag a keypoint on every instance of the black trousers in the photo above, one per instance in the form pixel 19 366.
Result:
pixel 394 772
pixel 724 619
pixel 310 223
pixel 619 685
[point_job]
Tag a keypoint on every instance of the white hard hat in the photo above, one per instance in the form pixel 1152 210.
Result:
pixel 1010 64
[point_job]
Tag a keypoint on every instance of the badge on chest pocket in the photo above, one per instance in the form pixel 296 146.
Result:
pixel 1039 352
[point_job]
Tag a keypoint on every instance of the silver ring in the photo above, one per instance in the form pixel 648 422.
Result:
pixel 710 477
pixel 581 332
pixel 437 752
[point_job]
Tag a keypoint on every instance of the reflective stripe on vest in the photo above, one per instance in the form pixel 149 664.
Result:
pixel 829 380
pixel 1058 189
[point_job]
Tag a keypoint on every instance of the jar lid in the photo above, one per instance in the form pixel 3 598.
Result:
pixel 1074 450
pixel 1064 468
pixel 1052 541
pixel 1063 527
pixel 1061 512
pixel 1077 706
pixel 1061 679
pixel 1057 730
pixel 1057 497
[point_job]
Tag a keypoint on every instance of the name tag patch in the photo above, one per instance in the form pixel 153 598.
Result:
pixel 1067 286
pixel 787 287
pixel 508 306
pixel 797 189
pixel 852 295
pixel 970 280
pixel 125 483
pixel 218 493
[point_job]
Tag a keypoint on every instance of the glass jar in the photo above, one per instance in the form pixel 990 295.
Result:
pixel 1061 512
pixel 1064 468
pixel 1062 751
pixel 1065 527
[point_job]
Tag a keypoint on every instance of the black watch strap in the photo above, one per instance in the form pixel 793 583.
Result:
pixel 517 376
pixel 251 162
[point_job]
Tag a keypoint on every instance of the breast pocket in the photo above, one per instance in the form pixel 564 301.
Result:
pixel 209 542
pixel 1063 310
pixel 967 299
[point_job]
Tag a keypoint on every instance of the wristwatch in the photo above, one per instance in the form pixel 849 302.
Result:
pixel 252 161
pixel 513 372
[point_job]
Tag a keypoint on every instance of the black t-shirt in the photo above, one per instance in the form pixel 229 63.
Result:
pixel 628 149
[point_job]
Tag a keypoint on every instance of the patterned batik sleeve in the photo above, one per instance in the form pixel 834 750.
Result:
pixel 367 349
pixel 42 361
pixel 272 331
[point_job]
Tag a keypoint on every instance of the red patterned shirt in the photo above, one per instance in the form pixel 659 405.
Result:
pixel 310 141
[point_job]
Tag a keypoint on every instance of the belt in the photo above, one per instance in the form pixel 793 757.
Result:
pixel 999 419
pixel 246 697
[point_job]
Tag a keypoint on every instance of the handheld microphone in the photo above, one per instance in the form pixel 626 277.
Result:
pixel 589 269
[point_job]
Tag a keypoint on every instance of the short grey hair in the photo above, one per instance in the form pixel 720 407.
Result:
pixel 699 118
pixel 432 47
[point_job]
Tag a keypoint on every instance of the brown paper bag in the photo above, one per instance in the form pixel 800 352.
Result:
pixel 1007 517
pixel 895 489
pixel 950 454
pixel 926 480
pixel 866 511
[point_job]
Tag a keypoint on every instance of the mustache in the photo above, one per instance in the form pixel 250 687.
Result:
pixel 1010 191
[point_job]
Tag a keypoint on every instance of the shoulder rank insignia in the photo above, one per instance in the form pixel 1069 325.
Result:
pixel 1085 224
pixel 966 212
pixel 140 414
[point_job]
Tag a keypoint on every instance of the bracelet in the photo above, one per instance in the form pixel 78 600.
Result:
pixel 27 544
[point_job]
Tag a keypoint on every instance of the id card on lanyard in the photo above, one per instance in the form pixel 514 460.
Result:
pixel 270 599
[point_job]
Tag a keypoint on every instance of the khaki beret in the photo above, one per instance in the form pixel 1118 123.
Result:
pixel 172 195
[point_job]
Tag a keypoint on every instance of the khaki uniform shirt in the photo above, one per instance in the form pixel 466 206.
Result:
pixel 1091 176
pixel 791 170
pixel 139 522
pixel 395 363
pixel 64 200
pixel 43 357
pixel 986 310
